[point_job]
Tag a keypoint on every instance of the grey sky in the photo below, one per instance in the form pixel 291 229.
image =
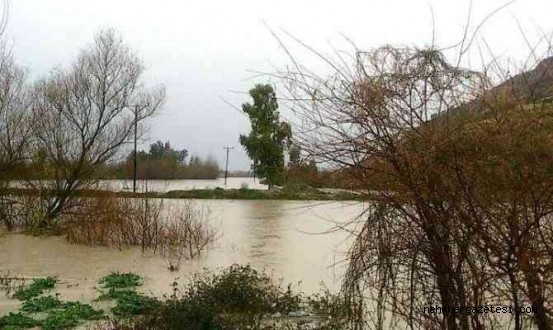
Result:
pixel 202 51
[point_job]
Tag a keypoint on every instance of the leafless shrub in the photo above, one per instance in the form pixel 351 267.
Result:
pixel 111 221
pixel 185 235
pixel 456 170
pixel 21 213
pixel 180 233
pixel 9 283
pixel 7 212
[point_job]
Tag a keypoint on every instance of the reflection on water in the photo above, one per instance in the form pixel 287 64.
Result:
pixel 282 237
pixel 264 226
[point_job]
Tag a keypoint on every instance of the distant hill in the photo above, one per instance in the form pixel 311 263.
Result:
pixel 531 86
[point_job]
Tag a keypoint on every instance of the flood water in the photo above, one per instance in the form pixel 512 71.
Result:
pixel 292 240
pixel 167 185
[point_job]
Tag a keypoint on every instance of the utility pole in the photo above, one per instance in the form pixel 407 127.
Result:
pixel 226 163
pixel 253 169
pixel 134 154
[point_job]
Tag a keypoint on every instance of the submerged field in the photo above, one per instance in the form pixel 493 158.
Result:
pixel 290 240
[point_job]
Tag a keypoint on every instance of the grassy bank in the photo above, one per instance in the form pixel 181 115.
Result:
pixel 287 193
pixel 252 194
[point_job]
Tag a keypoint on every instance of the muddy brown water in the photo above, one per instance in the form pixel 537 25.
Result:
pixel 166 185
pixel 292 240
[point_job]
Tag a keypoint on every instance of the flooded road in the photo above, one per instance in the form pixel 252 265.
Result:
pixel 295 241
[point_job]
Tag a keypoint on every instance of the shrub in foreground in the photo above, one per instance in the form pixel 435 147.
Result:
pixel 240 297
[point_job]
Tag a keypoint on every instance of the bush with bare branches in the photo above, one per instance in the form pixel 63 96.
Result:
pixel 459 178
pixel 119 222
pixel 179 233
pixel 84 115
pixel 186 235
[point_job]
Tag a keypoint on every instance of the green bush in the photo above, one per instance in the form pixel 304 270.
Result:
pixel 71 315
pixel 14 321
pixel 133 303
pixel 238 297
pixel 36 288
pixel 40 304
pixel 121 280
pixel 241 289
pixel 121 287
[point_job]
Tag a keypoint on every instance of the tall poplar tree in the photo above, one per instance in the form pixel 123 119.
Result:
pixel 269 137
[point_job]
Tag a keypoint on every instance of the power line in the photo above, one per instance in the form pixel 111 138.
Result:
pixel 134 153
pixel 228 149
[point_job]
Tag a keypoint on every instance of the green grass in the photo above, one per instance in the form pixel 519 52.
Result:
pixel 121 280
pixel 14 321
pixel 40 304
pixel 70 315
pixel 238 297
pixel 130 302
pixel 218 193
pixel 133 303
pixel 233 291
pixel 289 193
pixel 121 287
pixel 286 193
pixel 60 315
pixel 36 288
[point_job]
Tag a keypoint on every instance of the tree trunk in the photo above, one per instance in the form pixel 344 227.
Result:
pixel 534 285
pixel 446 288
pixel 54 210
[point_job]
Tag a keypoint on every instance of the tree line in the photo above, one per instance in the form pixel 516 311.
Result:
pixel 164 162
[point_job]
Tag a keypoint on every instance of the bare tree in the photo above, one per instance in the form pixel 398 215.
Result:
pixel 185 235
pixel 15 126
pixel 460 187
pixel 15 115
pixel 84 115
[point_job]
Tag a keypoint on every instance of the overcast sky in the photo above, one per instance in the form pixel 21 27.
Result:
pixel 205 51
